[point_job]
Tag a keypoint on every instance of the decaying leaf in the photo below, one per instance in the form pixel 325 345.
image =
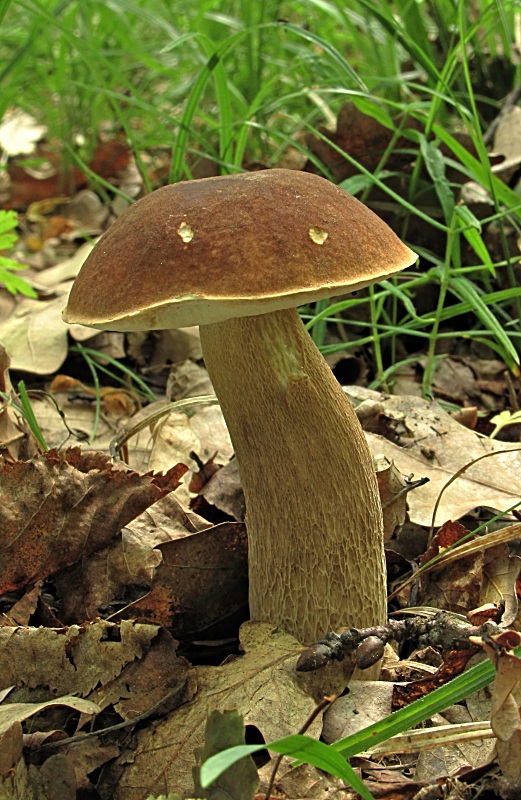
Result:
pixel 12 438
pixel 224 491
pixel 35 336
pixel 423 440
pixel 128 560
pixel 505 714
pixel 60 507
pixel 67 660
pixel 456 587
pixel 500 573
pixel 261 684
pixel 392 489
pixel 11 713
pixel 183 598
pixel 56 778
pixel 146 681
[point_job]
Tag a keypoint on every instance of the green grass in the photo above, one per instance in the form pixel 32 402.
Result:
pixel 239 83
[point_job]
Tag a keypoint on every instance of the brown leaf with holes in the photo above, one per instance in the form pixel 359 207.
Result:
pixel 60 507
pixel 74 660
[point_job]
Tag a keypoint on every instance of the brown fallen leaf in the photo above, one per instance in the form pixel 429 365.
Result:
pixel 35 335
pixel 453 665
pixel 69 660
pixel 126 565
pixel 55 778
pixel 364 138
pixel 60 507
pixel 201 583
pixel 118 402
pixel 24 608
pixel 457 586
pixel 14 441
pixel 261 684
pixel 392 489
pixel 144 682
pixel 224 491
pixel 11 713
pixel 423 440
pixel 505 706
pixel 11 743
pixel 110 157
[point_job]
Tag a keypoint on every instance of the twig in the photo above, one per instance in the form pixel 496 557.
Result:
pixel 440 629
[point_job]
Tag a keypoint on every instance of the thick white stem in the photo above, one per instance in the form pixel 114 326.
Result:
pixel 316 557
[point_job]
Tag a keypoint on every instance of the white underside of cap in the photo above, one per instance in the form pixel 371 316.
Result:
pixel 184 312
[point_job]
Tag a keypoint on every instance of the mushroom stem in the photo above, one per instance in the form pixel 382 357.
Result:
pixel 316 556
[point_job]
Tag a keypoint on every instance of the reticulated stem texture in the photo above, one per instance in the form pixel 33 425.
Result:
pixel 315 539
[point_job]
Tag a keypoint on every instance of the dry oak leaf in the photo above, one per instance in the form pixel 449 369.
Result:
pixel 262 685
pixel 505 716
pixel 421 439
pixel 70 660
pixel 129 559
pixel 60 507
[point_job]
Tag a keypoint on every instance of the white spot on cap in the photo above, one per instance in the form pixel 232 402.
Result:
pixel 318 235
pixel 186 232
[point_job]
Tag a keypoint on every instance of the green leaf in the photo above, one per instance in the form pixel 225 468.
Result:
pixel 297 746
pixel 356 183
pixel 479 173
pixel 471 229
pixel 239 781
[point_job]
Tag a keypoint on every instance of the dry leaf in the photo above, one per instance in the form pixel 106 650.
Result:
pixel 507 139
pixel 261 685
pixel 129 559
pixel 457 586
pixel 505 718
pixel 367 702
pixel 423 440
pixel 19 132
pixel 35 336
pixel 12 436
pixel 201 583
pixel 11 713
pixel 73 659
pixel 391 487
pixel 62 506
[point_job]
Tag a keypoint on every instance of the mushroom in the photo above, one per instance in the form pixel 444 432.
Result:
pixel 236 255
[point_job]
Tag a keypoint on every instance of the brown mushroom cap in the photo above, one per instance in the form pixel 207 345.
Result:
pixel 206 250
